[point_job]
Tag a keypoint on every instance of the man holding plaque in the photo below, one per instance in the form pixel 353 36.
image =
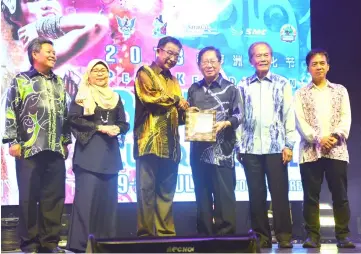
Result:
pixel 158 110
pixel 212 161
pixel 266 139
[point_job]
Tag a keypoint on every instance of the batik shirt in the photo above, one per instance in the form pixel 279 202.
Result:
pixel 269 119
pixel 223 97
pixel 36 113
pixel 321 112
pixel 157 94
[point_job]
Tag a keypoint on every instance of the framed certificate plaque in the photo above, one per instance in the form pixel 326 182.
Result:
pixel 199 126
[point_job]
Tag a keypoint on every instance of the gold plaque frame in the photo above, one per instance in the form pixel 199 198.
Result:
pixel 199 126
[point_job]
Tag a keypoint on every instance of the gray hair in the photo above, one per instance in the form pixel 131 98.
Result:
pixel 251 48
pixel 35 46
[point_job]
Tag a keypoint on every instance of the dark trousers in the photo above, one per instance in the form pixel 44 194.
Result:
pixel 156 180
pixel 256 168
pixel 214 186
pixel 41 178
pixel 94 208
pixel 312 174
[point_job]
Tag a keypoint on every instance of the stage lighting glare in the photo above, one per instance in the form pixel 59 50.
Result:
pixel 327 221
pixel 325 207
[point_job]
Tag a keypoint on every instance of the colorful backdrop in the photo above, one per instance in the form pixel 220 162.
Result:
pixel 125 34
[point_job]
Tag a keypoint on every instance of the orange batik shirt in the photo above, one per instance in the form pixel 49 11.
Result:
pixel 157 94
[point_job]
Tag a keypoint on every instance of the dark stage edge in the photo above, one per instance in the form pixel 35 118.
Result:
pixel 329 248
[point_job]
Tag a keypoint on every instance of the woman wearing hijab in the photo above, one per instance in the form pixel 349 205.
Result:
pixel 96 118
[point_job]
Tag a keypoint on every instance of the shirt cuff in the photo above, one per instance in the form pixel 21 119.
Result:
pixel 234 122
pixel 15 142
pixel 289 145
pixel 318 140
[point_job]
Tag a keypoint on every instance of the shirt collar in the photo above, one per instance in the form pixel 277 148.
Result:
pixel 217 82
pixel 328 84
pixel 268 77
pixel 33 72
pixel 158 70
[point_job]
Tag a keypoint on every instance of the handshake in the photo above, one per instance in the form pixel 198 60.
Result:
pixel 110 130
pixel 183 104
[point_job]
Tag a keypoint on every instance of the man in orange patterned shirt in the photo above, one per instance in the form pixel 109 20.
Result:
pixel 159 109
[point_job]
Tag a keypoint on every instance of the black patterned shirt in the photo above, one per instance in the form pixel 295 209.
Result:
pixel 222 96
pixel 36 113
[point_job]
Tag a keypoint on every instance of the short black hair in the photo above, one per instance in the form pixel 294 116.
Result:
pixel 163 41
pixel 209 48
pixel 253 45
pixel 317 51
pixel 35 46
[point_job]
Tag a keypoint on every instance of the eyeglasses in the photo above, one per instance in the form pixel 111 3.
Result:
pixel 102 71
pixel 170 53
pixel 211 62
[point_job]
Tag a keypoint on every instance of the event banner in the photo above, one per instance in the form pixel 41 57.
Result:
pixel 125 34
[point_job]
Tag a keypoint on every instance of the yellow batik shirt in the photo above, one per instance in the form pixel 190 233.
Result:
pixel 157 94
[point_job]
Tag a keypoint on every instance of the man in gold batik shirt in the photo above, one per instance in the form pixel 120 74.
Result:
pixel 158 111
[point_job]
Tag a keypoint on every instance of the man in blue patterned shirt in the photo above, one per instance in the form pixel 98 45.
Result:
pixel 212 164
pixel 36 129
pixel 266 138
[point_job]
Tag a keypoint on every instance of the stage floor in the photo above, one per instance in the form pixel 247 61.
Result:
pixel 328 248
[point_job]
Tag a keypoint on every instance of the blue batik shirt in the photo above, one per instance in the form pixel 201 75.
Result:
pixel 222 96
pixel 269 120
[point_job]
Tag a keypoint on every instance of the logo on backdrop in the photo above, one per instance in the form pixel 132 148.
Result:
pixel 288 33
pixel 126 26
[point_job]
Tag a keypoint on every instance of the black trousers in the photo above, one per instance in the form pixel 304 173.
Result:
pixel 312 174
pixel 214 186
pixel 156 180
pixel 41 178
pixel 256 168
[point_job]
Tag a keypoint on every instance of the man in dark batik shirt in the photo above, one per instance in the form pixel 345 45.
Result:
pixel 213 167
pixel 36 130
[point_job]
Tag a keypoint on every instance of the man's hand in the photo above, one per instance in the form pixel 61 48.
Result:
pixel 221 125
pixel 15 150
pixel 286 155
pixel 328 142
pixel 193 109
pixel 334 141
pixel 183 104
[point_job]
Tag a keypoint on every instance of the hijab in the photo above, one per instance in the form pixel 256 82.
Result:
pixel 91 95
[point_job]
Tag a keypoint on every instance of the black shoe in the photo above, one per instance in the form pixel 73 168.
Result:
pixel 311 243
pixel 52 250
pixel 285 245
pixel 265 244
pixel 345 243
